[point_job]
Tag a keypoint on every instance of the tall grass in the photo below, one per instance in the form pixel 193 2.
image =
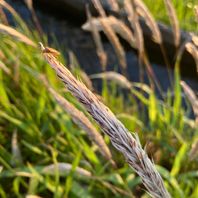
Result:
pixel 57 159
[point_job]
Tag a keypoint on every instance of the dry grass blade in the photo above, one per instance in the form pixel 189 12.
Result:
pixel 193 50
pixel 96 36
pixel 150 21
pixel 99 8
pixel 2 55
pixel 194 150
pixel 192 98
pixel 118 78
pixel 174 21
pixel 64 168
pixel 5 68
pixel 114 5
pixel 9 8
pixel 124 141
pixel 3 17
pixel 133 20
pixel 34 16
pixel 12 32
pixel 112 37
pixel 82 121
pixel 194 39
pixel 117 25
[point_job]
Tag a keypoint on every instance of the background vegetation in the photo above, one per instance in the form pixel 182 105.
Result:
pixel 35 132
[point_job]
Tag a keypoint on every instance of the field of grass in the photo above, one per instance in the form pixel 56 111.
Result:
pixel 45 152
pixel 184 9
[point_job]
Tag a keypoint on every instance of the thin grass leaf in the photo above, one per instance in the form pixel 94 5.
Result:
pixel 179 159
pixel 16 152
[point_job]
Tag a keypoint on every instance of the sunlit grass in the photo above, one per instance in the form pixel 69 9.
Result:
pixel 47 135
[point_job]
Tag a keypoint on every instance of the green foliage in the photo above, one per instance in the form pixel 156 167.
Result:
pixel 47 135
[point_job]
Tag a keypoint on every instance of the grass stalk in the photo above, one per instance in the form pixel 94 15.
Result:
pixel 124 141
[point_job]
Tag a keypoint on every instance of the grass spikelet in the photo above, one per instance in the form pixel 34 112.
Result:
pixel 124 141
pixel 133 20
pixel 64 168
pixel 150 21
pixel 192 98
pixel 112 37
pixel 97 39
pixel 174 21
pixel 117 25
pixel 19 36
pixel 82 121
pixel 118 78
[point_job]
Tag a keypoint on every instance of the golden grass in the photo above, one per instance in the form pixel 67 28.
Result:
pixel 174 21
pixel 143 11
pixel 97 39
pixel 14 33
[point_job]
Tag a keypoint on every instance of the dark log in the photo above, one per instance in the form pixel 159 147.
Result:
pixel 76 9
